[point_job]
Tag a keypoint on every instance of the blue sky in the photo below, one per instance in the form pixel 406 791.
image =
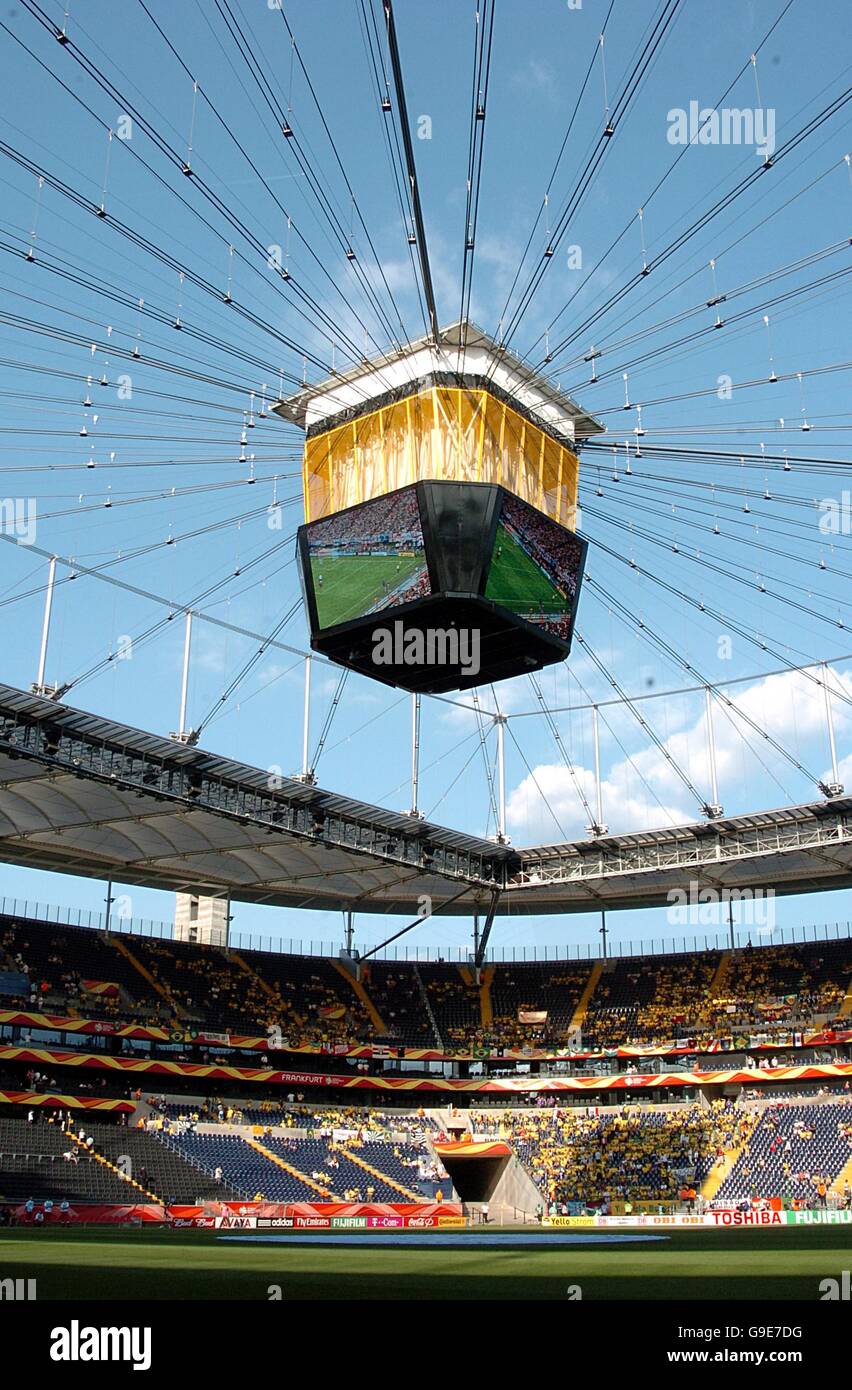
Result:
pixel 775 248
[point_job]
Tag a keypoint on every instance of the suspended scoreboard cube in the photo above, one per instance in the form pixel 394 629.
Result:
pixel 439 549
pixel 440 586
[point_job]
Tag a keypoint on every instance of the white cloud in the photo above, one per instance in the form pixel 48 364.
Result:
pixel 536 75
pixel 789 707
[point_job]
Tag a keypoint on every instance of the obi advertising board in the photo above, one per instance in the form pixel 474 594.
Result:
pixel 727 1218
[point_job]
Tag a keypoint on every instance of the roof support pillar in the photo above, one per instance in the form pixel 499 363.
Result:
pixel 834 787
pixel 482 945
pixel 500 721
pixel 307 772
pixel 415 752
pixel 713 810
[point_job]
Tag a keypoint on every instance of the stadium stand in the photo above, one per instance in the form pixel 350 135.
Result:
pixel 455 1003
pixel 32 1164
pixel 795 1151
pixel 640 999
pixel 337 1164
pixel 200 983
pixel 154 1165
pixel 780 982
pixel 57 962
pixel 299 988
pixel 244 1170
pixel 553 989
pixel 396 994
pixel 42 1159
pixel 728 1152
pixel 329 1162
pixel 633 1154
pixel 704 995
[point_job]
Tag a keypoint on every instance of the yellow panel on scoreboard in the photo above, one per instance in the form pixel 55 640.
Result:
pixel 444 433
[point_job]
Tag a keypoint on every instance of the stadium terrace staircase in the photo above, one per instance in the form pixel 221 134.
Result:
pixel 362 995
pixel 323 1192
pixel 719 1173
pixel 586 997
pixel 179 1179
pixel 243 965
pixel 846 1006
pixel 486 1007
pixel 406 1192
pixel 718 981
pixel 844 1176
pixel 424 995
pixel 155 984
pixel 100 1158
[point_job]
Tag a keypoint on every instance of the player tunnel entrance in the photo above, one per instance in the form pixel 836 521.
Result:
pixel 474 1168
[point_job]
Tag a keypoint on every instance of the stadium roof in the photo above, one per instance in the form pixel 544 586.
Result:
pixel 84 795
pixel 462 349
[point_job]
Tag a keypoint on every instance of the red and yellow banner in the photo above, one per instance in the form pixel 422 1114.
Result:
pixel 626 1081
pixel 56 1101
pixel 65 1023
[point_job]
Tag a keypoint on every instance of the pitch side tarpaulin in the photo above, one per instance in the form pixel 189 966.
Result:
pixel 87 1213
pixel 245 1215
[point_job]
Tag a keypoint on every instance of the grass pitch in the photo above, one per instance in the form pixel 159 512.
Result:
pixel 516 582
pixel 351 584
pixel 164 1264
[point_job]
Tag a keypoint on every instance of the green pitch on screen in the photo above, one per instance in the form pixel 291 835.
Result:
pixel 354 584
pixel 516 582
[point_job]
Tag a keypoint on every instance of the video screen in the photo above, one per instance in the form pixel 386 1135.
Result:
pixel 536 566
pixel 368 558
